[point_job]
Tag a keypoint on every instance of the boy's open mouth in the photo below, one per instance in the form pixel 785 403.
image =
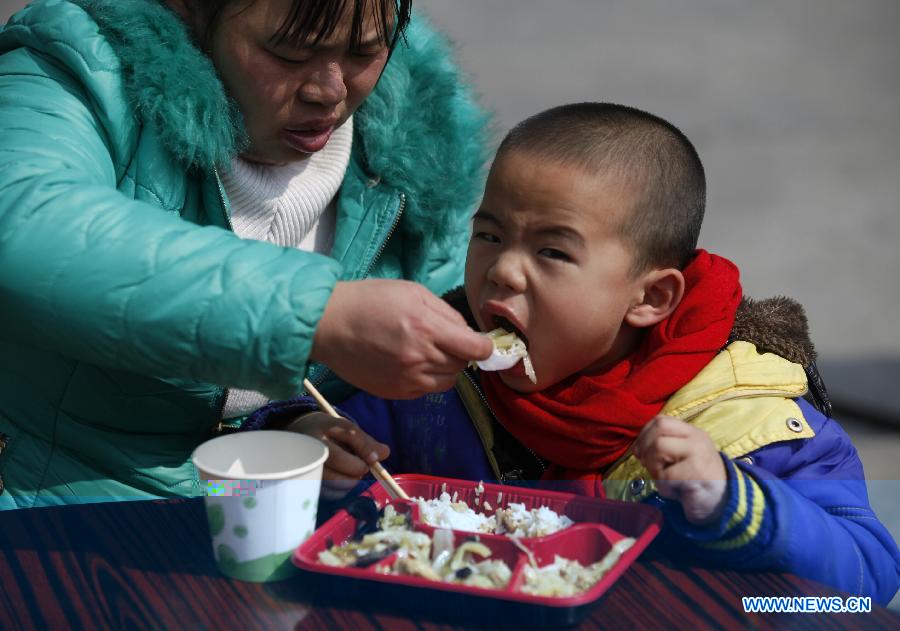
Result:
pixel 504 323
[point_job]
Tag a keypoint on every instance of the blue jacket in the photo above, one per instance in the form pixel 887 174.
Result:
pixel 797 494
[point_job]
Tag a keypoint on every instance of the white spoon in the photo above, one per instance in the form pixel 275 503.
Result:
pixel 508 351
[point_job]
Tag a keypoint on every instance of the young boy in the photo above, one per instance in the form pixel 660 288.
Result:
pixel 654 380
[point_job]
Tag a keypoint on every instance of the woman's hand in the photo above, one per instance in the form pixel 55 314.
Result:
pixel 686 466
pixel 394 338
pixel 350 450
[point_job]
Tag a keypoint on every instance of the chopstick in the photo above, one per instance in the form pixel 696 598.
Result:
pixel 387 481
pixel 380 473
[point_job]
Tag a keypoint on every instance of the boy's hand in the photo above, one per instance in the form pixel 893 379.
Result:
pixel 686 466
pixel 350 450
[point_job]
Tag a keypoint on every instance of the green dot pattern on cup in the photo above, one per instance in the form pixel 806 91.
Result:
pixel 240 531
pixel 308 534
pixel 250 502
pixel 227 557
pixel 306 504
pixel 216 516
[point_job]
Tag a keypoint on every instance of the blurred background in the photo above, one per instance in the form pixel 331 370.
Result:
pixel 794 106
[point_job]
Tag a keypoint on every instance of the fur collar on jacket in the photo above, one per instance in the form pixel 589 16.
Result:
pixel 775 325
pixel 419 131
pixel 778 325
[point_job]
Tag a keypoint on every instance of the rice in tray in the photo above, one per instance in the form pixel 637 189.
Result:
pixel 515 519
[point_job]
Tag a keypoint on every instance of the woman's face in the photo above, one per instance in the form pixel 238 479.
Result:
pixel 292 98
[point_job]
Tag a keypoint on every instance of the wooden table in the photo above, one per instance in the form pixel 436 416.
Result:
pixel 148 564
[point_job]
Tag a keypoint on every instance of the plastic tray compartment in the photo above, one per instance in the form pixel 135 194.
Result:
pixel 599 524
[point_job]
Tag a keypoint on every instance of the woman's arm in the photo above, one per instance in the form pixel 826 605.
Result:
pixel 97 276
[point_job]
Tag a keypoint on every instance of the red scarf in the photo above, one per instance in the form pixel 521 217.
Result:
pixel 589 421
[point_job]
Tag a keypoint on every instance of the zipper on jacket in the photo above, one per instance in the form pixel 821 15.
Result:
pixel 390 233
pixel 505 477
pixel 326 371
pixel 220 406
pixel 222 199
pixel 224 397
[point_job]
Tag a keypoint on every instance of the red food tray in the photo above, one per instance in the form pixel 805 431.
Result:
pixel 599 523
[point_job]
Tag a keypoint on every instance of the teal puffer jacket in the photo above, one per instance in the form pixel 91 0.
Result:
pixel 126 302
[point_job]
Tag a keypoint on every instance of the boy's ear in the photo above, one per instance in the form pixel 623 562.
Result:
pixel 661 291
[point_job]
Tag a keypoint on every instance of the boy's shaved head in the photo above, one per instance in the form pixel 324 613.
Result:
pixel 656 161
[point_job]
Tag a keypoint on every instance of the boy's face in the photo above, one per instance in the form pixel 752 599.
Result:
pixel 545 256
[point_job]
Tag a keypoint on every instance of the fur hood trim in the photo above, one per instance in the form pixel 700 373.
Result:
pixel 775 325
pixel 170 83
pixel 419 131
pixel 422 133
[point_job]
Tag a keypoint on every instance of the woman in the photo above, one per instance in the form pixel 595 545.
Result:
pixel 171 181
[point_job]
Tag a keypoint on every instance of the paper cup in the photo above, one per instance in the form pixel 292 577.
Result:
pixel 262 493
